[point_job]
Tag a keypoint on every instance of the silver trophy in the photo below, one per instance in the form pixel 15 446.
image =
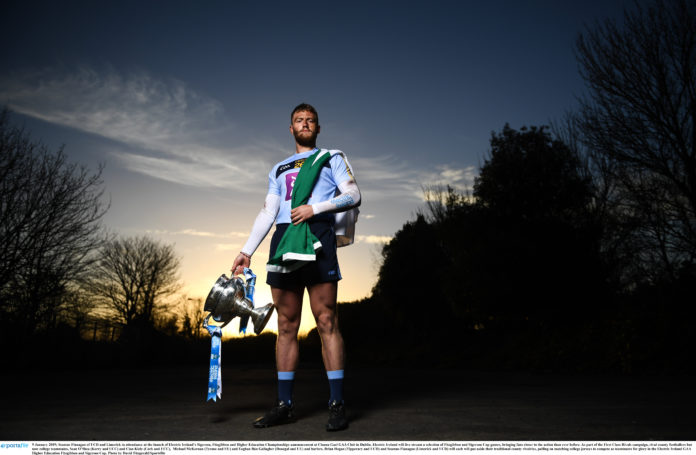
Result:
pixel 227 300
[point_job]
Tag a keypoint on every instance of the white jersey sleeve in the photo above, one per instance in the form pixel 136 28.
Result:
pixel 348 198
pixel 263 223
pixel 340 169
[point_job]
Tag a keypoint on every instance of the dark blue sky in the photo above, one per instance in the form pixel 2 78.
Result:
pixel 188 103
pixel 469 66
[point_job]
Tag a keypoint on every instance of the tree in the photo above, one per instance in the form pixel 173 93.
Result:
pixel 441 202
pixel 529 175
pixel 50 214
pixel 638 122
pixel 193 316
pixel 531 249
pixel 512 274
pixel 133 276
pixel 409 279
pixel 524 248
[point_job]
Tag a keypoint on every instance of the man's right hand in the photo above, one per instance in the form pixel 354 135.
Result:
pixel 241 261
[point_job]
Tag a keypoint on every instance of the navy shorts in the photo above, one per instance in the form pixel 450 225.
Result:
pixel 323 270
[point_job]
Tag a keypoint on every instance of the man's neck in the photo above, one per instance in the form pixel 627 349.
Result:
pixel 303 148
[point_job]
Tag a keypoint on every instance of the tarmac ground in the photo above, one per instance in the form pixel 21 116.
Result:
pixel 384 404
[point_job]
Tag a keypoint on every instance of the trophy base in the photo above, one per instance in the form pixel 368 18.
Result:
pixel 264 314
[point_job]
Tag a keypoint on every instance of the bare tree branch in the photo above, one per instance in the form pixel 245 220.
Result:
pixel 133 277
pixel 50 215
pixel 638 123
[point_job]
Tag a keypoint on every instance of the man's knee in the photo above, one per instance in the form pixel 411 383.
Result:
pixel 327 323
pixel 289 311
pixel 288 327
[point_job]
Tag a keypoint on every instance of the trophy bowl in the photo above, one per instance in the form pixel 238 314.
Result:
pixel 227 300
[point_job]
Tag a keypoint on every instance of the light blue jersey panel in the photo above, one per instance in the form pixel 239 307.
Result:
pixel 282 178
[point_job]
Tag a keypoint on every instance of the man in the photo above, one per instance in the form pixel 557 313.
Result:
pixel 333 190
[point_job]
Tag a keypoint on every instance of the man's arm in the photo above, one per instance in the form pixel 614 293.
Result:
pixel 263 223
pixel 348 198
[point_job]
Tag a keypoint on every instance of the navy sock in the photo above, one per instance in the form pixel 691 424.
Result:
pixel 335 385
pixel 286 380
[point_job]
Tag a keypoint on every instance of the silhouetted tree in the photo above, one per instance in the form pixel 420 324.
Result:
pixel 638 122
pixel 528 251
pixel 441 202
pixel 616 231
pixel 76 310
pixel 518 262
pixel 193 315
pixel 50 213
pixel 531 176
pixel 409 280
pixel 133 276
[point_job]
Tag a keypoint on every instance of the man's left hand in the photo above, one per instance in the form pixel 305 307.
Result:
pixel 301 213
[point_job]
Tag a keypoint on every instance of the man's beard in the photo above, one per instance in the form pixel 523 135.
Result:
pixel 309 140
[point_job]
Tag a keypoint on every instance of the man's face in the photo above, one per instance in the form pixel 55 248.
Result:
pixel 305 128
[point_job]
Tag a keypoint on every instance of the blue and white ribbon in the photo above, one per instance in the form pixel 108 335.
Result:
pixel 249 288
pixel 215 376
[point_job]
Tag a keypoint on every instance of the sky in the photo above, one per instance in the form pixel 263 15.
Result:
pixel 187 105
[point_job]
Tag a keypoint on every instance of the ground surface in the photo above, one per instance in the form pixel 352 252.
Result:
pixel 383 404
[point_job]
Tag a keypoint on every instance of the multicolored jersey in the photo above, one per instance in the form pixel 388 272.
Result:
pixel 282 178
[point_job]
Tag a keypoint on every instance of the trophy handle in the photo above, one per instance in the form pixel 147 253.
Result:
pixel 205 321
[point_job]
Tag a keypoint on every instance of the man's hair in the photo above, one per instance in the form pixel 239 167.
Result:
pixel 304 107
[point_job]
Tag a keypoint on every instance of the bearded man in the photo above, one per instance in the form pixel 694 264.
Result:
pixel 308 193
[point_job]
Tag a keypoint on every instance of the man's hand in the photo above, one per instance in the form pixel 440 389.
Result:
pixel 241 261
pixel 301 213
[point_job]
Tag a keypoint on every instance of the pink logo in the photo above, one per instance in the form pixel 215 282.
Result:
pixel 289 184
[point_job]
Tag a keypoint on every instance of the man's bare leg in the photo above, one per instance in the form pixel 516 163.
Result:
pixel 322 299
pixel 288 304
pixel 289 307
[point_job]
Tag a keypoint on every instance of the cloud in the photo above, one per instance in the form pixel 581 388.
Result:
pixel 386 177
pixel 461 179
pixel 173 132
pixel 457 176
pixel 187 171
pixel 197 233
pixel 136 109
pixel 373 239
pixel 227 246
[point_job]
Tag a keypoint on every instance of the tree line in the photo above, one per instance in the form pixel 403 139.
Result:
pixel 60 270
